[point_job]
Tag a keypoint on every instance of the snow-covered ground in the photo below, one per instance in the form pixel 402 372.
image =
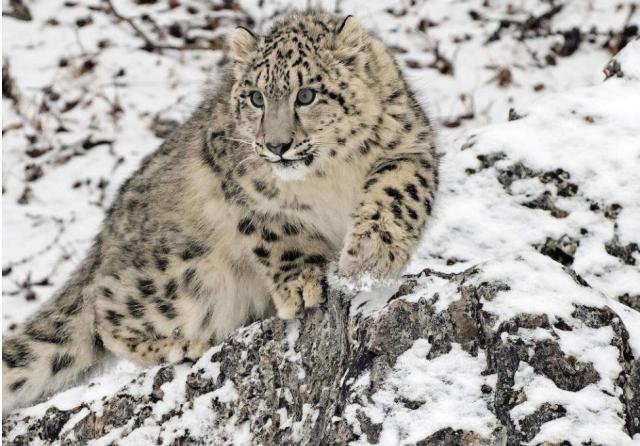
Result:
pixel 84 101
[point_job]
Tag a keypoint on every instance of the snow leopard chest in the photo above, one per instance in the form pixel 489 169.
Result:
pixel 323 206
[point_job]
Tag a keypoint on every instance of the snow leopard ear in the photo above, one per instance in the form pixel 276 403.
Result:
pixel 242 44
pixel 344 22
pixel 351 38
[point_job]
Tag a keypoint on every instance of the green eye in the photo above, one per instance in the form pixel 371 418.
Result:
pixel 257 99
pixel 305 96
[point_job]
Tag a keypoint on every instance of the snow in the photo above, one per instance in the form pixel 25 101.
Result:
pixel 308 413
pixel 119 375
pixel 532 274
pixel 592 415
pixel 446 389
pixel 571 120
pixel 593 346
pixel 498 225
pixel 631 320
pixel 494 222
pixel 629 61
pixel 293 332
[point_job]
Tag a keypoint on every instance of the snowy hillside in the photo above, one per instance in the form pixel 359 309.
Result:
pixel 524 329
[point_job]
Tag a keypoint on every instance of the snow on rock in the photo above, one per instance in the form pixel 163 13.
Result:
pixel 626 63
pixel 491 366
pixel 443 392
pixel 561 180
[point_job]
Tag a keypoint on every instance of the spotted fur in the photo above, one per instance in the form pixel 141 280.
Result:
pixel 216 228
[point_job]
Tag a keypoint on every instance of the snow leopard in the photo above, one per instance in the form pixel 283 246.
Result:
pixel 312 151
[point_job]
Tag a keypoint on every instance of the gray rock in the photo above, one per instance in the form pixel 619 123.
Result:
pixel 297 382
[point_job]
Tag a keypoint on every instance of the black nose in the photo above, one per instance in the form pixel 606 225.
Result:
pixel 279 148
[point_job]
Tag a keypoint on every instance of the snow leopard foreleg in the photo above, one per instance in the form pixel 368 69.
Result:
pixel 388 222
pixel 293 258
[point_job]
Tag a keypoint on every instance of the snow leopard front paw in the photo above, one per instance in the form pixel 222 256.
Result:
pixel 373 250
pixel 306 288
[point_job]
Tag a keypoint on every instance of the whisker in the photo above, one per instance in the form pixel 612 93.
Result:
pixel 248 158
pixel 243 141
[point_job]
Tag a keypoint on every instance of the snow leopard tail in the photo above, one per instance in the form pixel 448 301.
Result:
pixel 55 347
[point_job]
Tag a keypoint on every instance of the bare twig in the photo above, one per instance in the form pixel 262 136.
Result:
pixel 532 23
pixel 61 228
pixel 150 45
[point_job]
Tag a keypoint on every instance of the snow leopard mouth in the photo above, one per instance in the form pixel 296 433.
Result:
pixel 286 162
pixel 307 159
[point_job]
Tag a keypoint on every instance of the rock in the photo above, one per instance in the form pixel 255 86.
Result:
pixel 164 375
pixel 626 63
pixel 561 250
pixel 566 372
pixel 52 423
pixel 472 343
pixel 18 10
pixel 631 301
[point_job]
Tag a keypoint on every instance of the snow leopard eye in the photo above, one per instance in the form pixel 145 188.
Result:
pixel 305 96
pixel 257 99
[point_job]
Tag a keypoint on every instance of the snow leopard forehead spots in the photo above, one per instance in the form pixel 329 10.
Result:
pixel 292 54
